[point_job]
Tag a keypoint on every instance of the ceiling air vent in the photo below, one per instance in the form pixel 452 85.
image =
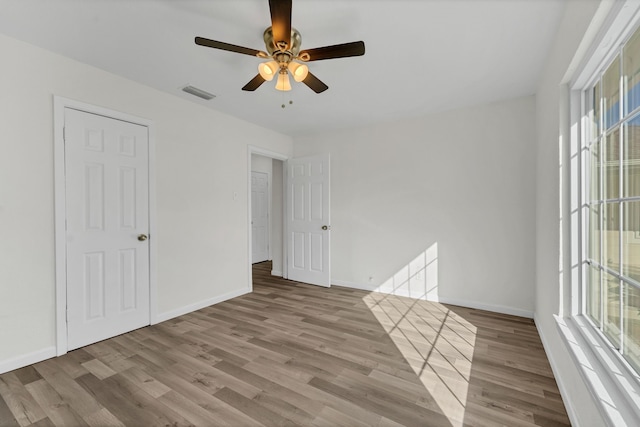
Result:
pixel 198 92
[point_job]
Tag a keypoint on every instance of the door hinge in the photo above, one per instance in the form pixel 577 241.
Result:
pixel 64 133
pixel 67 315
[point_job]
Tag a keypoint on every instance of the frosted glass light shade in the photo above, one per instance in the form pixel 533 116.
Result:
pixel 268 70
pixel 299 71
pixel 283 82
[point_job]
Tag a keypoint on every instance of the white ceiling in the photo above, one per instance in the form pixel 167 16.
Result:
pixel 422 56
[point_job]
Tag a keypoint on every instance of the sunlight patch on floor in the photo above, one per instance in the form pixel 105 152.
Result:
pixel 440 356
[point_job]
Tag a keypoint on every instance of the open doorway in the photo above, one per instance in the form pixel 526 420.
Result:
pixel 298 199
pixel 266 212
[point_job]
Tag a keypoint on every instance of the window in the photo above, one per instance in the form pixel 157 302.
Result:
pixel 611 285
pixel 599 137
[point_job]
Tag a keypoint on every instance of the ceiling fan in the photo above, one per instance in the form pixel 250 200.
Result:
pixel 282 43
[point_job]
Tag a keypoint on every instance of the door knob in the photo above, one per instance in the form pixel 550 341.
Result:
pixel 142 237
pixel 326 227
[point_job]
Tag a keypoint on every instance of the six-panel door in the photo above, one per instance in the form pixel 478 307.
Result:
pixel 107 205
pixel 308 224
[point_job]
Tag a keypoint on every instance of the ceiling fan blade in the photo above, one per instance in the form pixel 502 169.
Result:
pixel 230 47
pixel 281 22
pixel 315 83
pixel 254 83
pixel 335 51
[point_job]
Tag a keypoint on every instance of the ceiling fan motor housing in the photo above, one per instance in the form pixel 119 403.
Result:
pixel 272 45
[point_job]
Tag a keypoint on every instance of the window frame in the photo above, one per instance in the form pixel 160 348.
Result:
pixel 587 139
pixel 612 381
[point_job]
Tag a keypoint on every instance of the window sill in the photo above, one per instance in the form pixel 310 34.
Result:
pixel 615 389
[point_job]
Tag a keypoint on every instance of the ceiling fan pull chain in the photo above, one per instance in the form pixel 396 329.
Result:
pixel 283 100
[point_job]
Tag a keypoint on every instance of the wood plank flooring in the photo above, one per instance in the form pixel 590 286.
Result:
pixel 294 354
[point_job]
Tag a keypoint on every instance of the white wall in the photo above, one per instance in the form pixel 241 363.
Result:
pixel 549 270
pixel 261 164
pixel 201 161
pixel 445 200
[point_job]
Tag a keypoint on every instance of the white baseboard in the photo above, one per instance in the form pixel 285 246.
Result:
pixel 354 285
pixel 488 307
pixel 368 287
pixel 276 273
pixel 198 305
pixel 374 288
pixel 444 300
pixel 27 359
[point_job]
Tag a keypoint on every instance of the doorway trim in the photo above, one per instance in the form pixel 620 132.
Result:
pixel 252 149
pixel 60 211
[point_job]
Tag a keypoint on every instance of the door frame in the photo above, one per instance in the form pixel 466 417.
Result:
pixel 60 210
pixel 252 149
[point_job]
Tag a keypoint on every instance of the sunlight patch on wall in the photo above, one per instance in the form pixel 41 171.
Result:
pixel 418 279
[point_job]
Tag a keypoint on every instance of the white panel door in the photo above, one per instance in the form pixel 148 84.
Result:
pixel 107 205
pixel 308 225
pixel 259 217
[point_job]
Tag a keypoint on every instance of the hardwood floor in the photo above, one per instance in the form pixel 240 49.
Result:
pixel 296 354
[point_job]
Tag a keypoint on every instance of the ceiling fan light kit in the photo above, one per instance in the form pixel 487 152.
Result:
pixel 268 70
pixel 282 43
pixel 298 71
pixel 284 84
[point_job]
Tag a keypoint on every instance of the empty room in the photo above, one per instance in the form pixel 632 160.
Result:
pixel 320 213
